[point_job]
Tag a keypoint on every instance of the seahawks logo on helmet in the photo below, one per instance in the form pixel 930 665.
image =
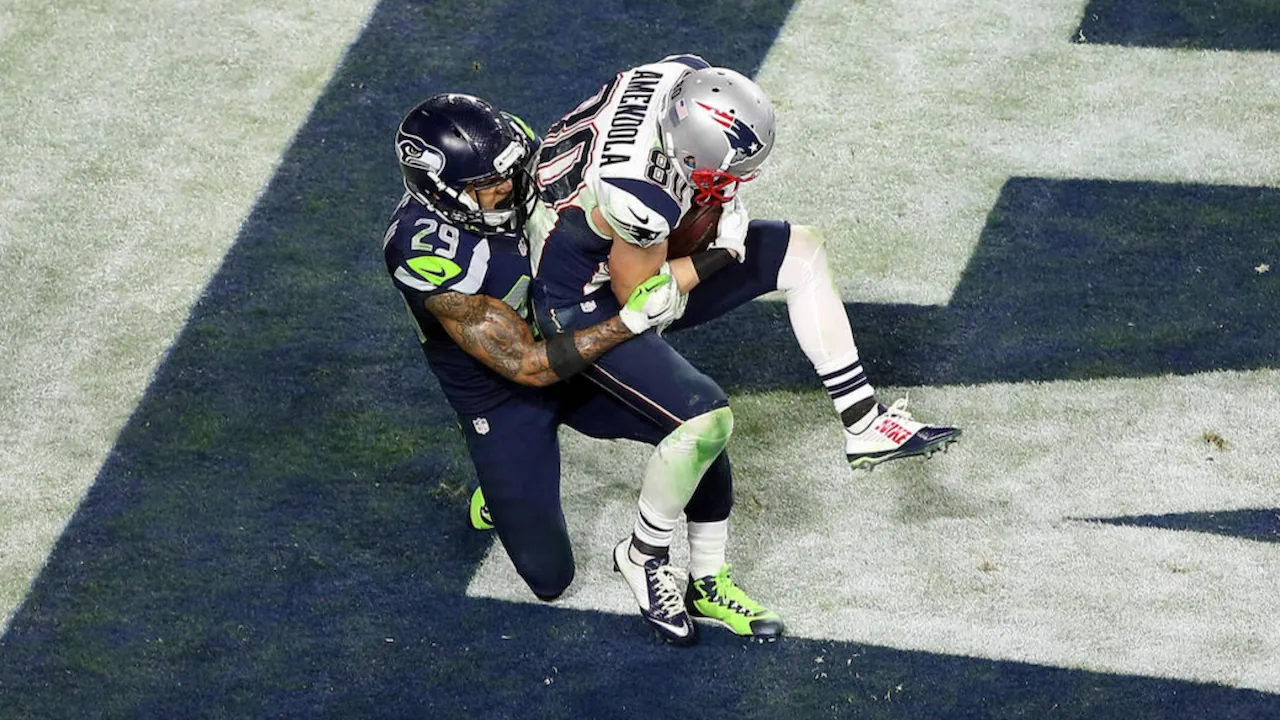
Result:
pixel 743 140
pixel 416 153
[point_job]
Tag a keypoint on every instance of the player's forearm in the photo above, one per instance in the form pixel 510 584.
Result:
pixel 630 265
pixel 543 365
pixel 491 332
pixel 625 278
pixel 685 276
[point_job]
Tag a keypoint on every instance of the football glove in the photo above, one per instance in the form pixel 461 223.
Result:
pixel 654 303
pixel 731 231
pixel 681 301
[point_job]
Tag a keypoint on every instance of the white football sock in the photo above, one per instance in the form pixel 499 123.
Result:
pixel 674 470
pixel 819 320
pixel 707 543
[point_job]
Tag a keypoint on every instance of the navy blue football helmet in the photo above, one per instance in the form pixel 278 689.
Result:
pixel 450 141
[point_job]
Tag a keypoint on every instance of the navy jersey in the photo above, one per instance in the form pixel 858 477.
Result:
pixel 426 255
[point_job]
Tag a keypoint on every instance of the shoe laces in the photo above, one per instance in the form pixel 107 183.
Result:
pixel 665 581
pixel 725 592
pixel 899 408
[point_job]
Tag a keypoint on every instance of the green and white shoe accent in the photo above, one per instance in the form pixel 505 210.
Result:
pixel 717 598
pixel 478 517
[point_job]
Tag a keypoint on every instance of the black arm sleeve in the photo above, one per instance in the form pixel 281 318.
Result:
pixel 563 356
pixel 708 261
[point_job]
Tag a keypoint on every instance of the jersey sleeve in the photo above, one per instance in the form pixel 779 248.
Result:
pixel 642 213
pixel 428 257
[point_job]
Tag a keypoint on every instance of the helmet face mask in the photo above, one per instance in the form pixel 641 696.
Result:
pixel 714 187
pixel 718 128
pixel 451 146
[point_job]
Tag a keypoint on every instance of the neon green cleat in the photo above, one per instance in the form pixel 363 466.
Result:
pixel 478 517
pixel 717 598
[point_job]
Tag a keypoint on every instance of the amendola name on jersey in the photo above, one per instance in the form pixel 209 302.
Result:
pixel 606 155
pixel 427 255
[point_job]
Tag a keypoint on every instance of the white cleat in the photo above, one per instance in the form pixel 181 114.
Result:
pixel 894 434
pixel 657 586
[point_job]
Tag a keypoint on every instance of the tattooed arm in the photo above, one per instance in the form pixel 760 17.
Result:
pixel 491 332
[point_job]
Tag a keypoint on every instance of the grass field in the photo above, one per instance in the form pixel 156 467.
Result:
pixel 229 487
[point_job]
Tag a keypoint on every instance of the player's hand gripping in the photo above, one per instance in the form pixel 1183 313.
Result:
pixel 654 303
pixel 731 231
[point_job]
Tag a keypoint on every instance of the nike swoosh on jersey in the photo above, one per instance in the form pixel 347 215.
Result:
pixel 435 269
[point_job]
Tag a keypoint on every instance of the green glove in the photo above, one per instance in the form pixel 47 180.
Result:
pixel 654 302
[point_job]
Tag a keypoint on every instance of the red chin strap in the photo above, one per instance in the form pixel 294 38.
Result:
pixel 715 187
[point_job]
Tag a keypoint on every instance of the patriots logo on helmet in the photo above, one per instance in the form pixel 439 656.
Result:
pixel 414 152
pixel 741 137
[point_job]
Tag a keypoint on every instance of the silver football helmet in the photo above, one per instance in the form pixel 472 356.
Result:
pixel 717 127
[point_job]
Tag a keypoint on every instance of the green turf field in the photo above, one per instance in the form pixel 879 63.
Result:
pixel 1068 248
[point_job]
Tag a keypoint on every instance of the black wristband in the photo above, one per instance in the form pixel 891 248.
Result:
pixel 563 356
pixel 709 261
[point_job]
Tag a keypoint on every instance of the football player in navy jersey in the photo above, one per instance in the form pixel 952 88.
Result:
pixel 615 176
pixel 454 252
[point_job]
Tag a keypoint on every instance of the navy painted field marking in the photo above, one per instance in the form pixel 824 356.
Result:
pixel 1192 24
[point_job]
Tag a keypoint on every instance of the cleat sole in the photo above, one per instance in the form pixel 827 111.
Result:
pixel 727 626
pixel 869 463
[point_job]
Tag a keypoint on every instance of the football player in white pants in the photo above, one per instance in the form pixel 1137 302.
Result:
pixel 615 176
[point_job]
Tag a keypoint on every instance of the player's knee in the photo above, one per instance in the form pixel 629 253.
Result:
pixel 806 259
pixel 549 595
pixel 710 431
pixel 808 234
pixel 538 545
pixel 806 242
pixel 548 589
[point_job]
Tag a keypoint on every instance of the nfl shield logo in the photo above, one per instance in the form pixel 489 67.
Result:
pixel 481 425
